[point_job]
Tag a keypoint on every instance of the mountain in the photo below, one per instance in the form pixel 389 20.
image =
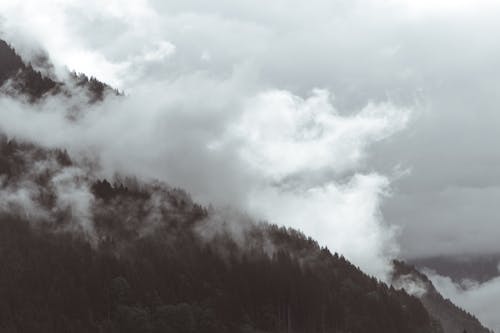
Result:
pixel 451 317
pixel 17 77
pixel 146 258
pixel 480 268
pixel 84 254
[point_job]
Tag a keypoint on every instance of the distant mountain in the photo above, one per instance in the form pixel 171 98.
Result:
pixel 480 268
pixel 17 77
pixel 452 318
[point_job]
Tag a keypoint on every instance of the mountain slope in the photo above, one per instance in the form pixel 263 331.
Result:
pixel 145 258
pixel 451 317
pixel 16 77
pixel 23 78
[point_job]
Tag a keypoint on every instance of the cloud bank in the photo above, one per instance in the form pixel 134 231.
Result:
pixel 283 158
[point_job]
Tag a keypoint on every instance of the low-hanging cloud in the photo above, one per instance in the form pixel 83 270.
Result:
pixel 43 190
pixel 239 159
pixel 228 138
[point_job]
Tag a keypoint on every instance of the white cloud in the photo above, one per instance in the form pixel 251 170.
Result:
pixel 73 194
pixel 62 28
pixel 283 134
pixel 344 217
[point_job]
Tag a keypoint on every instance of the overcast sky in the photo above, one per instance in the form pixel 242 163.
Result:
pixel 370 125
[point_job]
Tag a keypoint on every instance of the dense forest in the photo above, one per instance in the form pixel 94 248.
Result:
pixel 145 264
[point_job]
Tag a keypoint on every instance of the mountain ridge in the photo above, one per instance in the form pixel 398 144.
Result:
pixel 452 318
pixel 25 80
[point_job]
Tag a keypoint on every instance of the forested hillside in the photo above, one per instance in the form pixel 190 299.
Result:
pixel 18 77
pixel 148 259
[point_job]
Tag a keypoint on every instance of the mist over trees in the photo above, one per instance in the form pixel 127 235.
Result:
pixel 138 271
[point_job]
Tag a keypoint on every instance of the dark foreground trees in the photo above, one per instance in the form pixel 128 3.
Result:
pixel 170 281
